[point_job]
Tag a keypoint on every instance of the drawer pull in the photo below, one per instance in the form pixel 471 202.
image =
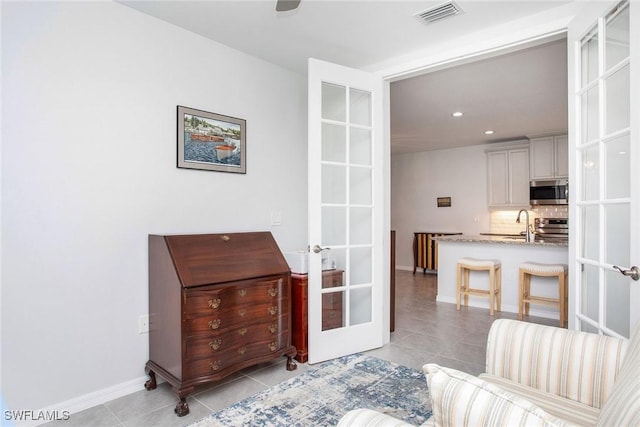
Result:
pixel 225 238
pixel 242 331
pixel 215 344
pixel 273 310
pixel 273 346
pixel 214 303
pixel 273 292
pixel 242 312
pixel 214 324
pixel 215 366
pixel 242 292
pixel 242 349
pixel 273 328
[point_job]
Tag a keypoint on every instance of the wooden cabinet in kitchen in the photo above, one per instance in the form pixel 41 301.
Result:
pixel 549 157
pixel 508 176
pixel 217 303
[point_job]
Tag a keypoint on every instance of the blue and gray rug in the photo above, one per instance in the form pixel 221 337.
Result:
pixel 322 395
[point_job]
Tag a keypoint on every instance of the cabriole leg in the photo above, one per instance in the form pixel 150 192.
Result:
pixel 182 408
pixel 151 383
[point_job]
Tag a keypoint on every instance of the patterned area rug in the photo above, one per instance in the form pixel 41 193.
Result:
pixel 322 395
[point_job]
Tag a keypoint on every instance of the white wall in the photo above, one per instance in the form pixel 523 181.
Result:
pixel 89 95
pixel 418 179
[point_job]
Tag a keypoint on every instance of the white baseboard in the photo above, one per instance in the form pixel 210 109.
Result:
pixel 505 307
pixel 83 402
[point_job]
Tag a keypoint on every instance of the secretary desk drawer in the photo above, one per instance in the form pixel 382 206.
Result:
pixel 214 299
pixel 216 344
pixel 241 315
pixel 232 356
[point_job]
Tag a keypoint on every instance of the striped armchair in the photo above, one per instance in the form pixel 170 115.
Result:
pixel 535 375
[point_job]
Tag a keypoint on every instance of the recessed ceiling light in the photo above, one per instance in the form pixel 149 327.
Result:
pixel 488 132
pixel 457 114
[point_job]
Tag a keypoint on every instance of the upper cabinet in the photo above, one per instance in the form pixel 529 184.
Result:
pixel 508 177
pixel 549 157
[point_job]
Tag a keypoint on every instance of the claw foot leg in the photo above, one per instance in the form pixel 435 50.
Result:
pixel 151 383
pixel 182 408
pixel 291 365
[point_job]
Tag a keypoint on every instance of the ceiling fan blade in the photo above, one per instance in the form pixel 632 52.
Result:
pixel 286 5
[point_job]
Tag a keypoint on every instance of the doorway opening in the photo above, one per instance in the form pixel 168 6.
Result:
pixel 517 92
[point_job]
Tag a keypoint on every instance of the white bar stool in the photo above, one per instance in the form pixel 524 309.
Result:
pixel 493 266
pixel 528 269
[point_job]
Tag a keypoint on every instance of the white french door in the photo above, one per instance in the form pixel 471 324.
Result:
pixel 346 189
pixel 605 150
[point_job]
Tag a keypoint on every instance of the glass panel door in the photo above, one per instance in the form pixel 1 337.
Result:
pixel 605 200
pixel 345 231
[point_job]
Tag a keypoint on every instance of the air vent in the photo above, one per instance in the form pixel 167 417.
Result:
pixel 439 12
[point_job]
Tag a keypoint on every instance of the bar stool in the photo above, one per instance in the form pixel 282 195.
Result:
pixel 528 269
pixel 493 266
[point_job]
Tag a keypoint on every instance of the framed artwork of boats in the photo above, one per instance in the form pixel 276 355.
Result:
pixel 210 141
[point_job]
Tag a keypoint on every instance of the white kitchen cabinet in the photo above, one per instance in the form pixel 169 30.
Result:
pixel 508 177
pixel 548 157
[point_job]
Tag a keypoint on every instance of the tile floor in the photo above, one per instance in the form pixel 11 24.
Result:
pixel 425 331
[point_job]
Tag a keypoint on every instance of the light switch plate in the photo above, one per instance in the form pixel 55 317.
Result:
pixel 276 218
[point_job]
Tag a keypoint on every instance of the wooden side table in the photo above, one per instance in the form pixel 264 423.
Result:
pixel 331 309
pixel 425 250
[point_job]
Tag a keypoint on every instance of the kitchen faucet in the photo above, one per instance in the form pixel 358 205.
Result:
pixel 527 235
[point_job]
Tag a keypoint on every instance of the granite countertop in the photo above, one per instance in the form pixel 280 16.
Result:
pixel 493 239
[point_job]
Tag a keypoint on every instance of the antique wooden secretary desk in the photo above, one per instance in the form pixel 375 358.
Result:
pixel 218 303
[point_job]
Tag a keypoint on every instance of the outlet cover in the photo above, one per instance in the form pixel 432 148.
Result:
pixel 143 324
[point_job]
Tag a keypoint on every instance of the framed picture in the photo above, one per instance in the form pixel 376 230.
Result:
pixel 444 202
pixel 210 141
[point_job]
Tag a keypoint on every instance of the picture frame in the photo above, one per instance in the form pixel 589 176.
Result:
pixel 210 141
pixel 444 202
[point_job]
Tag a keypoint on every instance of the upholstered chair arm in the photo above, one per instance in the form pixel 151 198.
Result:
pixel 572 364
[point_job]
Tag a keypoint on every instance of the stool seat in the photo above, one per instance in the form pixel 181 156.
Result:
pixel 464 267
pixel 475 262
pixel 536 267
pixel 525 298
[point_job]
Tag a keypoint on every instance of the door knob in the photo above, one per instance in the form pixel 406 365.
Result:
pixel 317 249
pixel 633 272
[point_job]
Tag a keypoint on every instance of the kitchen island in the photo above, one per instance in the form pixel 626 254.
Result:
pixel 511 251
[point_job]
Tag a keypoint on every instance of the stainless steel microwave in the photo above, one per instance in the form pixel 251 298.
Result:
pixel 549 192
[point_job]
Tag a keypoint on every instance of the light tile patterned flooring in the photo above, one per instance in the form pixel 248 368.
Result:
pixel 425 331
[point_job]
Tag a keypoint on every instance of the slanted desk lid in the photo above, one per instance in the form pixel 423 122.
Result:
pixel 203 259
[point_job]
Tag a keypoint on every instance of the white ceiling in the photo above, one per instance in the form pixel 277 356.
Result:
pixel 516 94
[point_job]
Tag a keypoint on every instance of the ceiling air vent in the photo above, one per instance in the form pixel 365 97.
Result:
pixel 441 11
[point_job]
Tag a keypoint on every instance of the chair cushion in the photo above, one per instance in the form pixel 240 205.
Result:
pixel 622 408
pixel 476 262
pixel 536 267
pixel 459 399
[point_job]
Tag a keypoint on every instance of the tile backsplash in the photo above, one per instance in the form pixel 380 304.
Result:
pixel 561 211
pixel 504 222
